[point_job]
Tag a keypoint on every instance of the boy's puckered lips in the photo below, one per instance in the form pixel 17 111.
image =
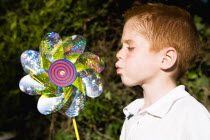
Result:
pixel 117 68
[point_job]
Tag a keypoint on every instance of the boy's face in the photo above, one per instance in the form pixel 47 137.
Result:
pixel 136 64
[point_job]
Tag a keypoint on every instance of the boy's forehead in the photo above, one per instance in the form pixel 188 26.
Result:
pixel 128 32
pixel 132 26
pixel 131 33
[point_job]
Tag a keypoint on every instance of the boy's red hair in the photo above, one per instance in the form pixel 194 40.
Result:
pixel 168 26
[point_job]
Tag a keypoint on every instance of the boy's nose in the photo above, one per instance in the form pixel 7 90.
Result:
pixel 119 54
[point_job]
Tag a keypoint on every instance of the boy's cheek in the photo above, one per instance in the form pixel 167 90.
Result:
pixel 130 55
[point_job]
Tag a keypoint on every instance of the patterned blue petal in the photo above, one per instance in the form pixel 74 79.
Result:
pixel 30 86
pixel 47 105
pixel 93 83
pixel 74 44
pixel 30 61
pixel 91 60
pixel 49 45
pixel 76 105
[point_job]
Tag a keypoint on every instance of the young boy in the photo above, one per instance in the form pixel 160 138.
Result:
pixel 159 43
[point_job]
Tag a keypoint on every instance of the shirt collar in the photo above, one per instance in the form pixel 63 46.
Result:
pixel 133 107
pixel 161 107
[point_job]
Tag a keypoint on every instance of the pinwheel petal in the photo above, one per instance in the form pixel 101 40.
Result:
pixel 92 82
pixel 49 45
pixel 81 67
pixel 91 60
pixel 78 83
pixel 73 57
pixel 30 61
pixel 30 86
pixel 45 63
pixel 73 44
pixel 76 105
pixel 47 105
pixel 42 78
pixel 51 90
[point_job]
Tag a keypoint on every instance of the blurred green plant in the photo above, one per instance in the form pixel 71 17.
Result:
pixel 197 78
pixel 64 135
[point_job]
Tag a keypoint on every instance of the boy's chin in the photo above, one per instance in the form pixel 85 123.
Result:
pixel 128 84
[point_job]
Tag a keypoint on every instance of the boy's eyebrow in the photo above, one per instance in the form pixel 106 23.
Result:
pixel 127 41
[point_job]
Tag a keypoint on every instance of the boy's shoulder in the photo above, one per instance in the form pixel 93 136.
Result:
pixel 194 117
pixel 190 106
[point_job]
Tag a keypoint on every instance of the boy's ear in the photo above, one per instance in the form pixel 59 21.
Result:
pixel 168 58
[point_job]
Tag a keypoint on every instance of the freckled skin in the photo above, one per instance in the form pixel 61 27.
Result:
pixel 138 64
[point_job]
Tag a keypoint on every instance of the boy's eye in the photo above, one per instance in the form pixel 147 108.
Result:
pixel 130 48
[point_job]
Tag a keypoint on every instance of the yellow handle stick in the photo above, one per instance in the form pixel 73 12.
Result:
pixel 75 128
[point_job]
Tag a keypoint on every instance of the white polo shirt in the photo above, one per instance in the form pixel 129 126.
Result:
pixel 176 116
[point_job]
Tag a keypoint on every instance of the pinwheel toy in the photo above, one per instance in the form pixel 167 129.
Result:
pixel 63 74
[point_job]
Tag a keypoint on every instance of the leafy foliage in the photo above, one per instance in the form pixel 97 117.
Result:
pixel 24 23
pixel 197 79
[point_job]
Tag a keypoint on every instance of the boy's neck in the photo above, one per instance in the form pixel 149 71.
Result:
pixel 154 91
